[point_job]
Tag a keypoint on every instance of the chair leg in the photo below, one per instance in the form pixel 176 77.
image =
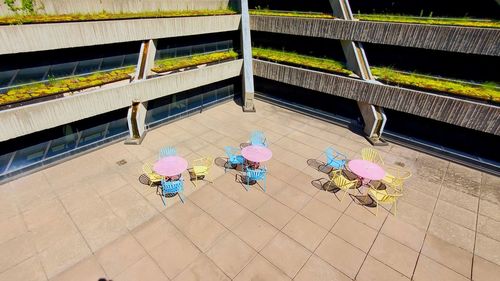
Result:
pixel 247 187
pixel 264 184
pixel 376 214
pixel 395 207
pixel 345 192
pixel 162 197
pixel 181 196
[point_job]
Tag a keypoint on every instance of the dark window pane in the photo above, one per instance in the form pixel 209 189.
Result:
pixel 63 144
pixel 62 70
pixel 4 161
pixel 195 102
pixel 131 59
pixel 209 97
pixel 112 62
pixel 5 77
pixel 117 127
pixel 28 75
pixel 92 135
pixel 87 66
pixel 28 156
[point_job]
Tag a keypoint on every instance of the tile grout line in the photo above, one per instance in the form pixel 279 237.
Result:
pixel 476 230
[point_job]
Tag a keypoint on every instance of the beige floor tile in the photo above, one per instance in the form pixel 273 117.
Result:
pixel 144 269
pixel 108 228
pixel 489 227
pixel 11 228
pixel 487 248
pixel 202 269
pixel 456 214
pixel 374 270
pixel 367 215
pixel 306 232
pixel 341 255
pixel 460 199
pixel 293 198
pixel 448 255
pixel 154 232
pixel 413 215
pixel 319 270
pixel 331 200
pixel 320 213
pixel 227 212
pixel 394 254
pixel 44 213
pixel 484 270
pixel 16 250
pixel 251 199
pixel 28 270
pixel 63 254
pixel 303 182
pixel 231 254
pixel 53 231
pixel 429 270
pixel 87 269
pixel 452 233
pixel 286 254
pixel 423 186
pixel 276 185
pixel 275 213
pixel 197 225
pixel 255 231
pixel 206 197
pixel 418 199
pixel 261 269
pixel 489 209
pixel 8 207
pixel 120 255
pixel 403 232
pixel 281 170
pixel 107 183
pixel 354 232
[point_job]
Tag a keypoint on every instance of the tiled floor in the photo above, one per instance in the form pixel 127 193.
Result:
pixel 90 218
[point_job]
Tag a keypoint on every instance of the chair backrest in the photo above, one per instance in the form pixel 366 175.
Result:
pixel 384 197
pixel 147 169
pixel 167 151
pixel 335 158
pixel 371 155
pixel 204 162
pixel 172 186
pixel 258 138
pixel 396 176
pixel 341 181
pixel 256 174
pixel 231 152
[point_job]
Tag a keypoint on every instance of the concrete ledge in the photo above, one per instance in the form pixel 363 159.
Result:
pixel 481 41
pixel 36 117
pixel 460 112
pixel 40 37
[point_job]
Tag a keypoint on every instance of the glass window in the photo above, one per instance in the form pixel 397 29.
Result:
pixel 198 49
pixel 117 127
pixel 112 62
pixel 63 144
pixel 92 135
pixel 158 113
pixel 88 66
pixel 209 97
pixel 5 77
pixel 28 75
pixel 210 47
pixel 4 161
pixel 131 59
pixel 195 101
pixel 183 51
pixel 62 70
pixel 178 106
pixel 28 156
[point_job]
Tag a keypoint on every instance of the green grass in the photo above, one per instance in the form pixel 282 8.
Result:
pixel 295 59
pixel 40 18
pixel 428 20
pixel 49 88
pixel 182 62
pixel 265 12
pixel 487 91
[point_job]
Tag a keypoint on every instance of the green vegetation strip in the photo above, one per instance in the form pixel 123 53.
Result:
pixel 182 62
pixel 259 12
pixel 40 18
pixel 486 91
pixel 428 20
pixel 49 88
pixel 295 59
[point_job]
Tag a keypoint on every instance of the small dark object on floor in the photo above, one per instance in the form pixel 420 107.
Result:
pixel 121 162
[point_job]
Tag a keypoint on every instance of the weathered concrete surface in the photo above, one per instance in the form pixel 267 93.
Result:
pixel 39 37
pixel 456 111
pixel 481 41
pixel 32 118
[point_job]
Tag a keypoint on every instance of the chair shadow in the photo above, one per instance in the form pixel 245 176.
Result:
pixel 244 144
pixel 243 181
pixel 319 166
pixel 221 162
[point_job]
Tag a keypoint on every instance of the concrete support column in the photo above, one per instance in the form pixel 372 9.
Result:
pixel 246 46
pixel 373 116
pixel 146 59
pixel 136 119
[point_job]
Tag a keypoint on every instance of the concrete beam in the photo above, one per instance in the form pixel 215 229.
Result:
pixel 40 37
pixel 40 116
pixel 246 43
pixel 461 112
pixel 481 41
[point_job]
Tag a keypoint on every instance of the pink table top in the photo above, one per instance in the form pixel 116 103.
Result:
pixel 366 169
pixel 256 153
pixel 170 166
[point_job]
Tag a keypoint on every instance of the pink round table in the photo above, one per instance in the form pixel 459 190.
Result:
pixel 170 166
pixel 256 153
pixel 366 170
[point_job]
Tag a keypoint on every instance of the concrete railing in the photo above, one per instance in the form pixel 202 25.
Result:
pixel 481 41
pixel 456 111
pixel 39 37
pixel 117 6
pixel 40 116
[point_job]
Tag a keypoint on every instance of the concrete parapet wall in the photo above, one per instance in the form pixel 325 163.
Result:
pixel 40 116
pixel 456 111
pixel 481 41
pixel 117 6
pixel 39 37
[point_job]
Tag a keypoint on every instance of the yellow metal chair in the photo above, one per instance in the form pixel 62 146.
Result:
pixel 371 155
pixel 153 177
pixel 201 167
pixel 395 177
pixel 383 196
pixel 340 181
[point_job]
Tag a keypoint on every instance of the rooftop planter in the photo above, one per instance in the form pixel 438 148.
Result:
pixel 59 87
pixel 486 92
pixel 39 18
pixel 172 64
pixel 314 15
pixel 429 20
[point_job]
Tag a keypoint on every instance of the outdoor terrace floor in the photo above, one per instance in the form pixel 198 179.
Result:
pixel 90 218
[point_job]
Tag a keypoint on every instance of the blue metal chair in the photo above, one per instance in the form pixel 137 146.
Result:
pixel 167 151
pixel 172 187
pixel 335 159
pixel 258 138
pixel 232 157
pixel 256 175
